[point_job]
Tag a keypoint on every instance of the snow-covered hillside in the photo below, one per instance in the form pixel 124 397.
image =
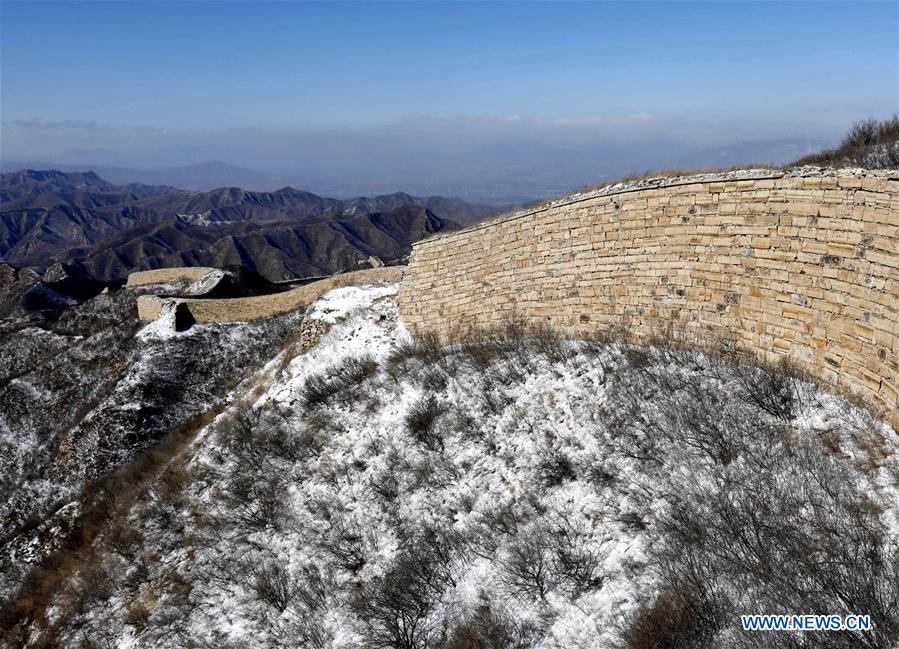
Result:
pixel 512 491
pixel 89 401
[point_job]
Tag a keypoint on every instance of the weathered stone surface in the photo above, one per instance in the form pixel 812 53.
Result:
pixel 264 306
pixel 163 275
pixel 148 307
pixel 311 331
pixel 802 265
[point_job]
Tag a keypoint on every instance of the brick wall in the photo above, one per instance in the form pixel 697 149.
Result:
pixel 803 265
pixel 162 275
pixel 149 307
pixel 265 306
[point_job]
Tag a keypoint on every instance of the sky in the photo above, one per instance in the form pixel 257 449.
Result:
pixel 161 84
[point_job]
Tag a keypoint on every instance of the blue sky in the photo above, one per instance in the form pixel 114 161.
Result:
pixel 284 64
pixel 123 75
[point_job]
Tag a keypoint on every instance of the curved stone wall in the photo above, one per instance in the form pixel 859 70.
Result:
pixel 265 306
pixel 803 265
pixel 163 275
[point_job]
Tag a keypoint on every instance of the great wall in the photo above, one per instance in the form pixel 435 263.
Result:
pixel 163 275
pixel 209 311
pixel 800 265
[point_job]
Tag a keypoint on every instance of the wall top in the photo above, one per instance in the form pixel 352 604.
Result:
pixel 657 182
pixel 161 275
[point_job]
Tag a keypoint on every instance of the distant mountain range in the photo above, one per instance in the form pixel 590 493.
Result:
pixel 104 231
pixel 512 168
pixel 204 176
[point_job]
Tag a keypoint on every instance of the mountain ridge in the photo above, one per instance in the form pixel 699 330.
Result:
pixel 109 230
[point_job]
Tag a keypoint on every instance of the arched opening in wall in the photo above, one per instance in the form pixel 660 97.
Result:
pixel 184 319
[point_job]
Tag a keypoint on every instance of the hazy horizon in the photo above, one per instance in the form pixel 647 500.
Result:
pixel 489 100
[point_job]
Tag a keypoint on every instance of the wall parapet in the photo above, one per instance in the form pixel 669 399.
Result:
pixel 163 275
pixel 801 265
pixel 240 309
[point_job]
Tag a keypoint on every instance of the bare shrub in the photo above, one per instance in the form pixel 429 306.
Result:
pixel 601 474
pixel 465 424
pixel 796 534
pixel 386 483
pixel 170 486
pixel 514 369
pixel 123 538
pixel 708 421
pixel 345 540
pixel 779 521
pixel 273 585
pixel 321 425
pixel 636 431
pixel 257 437
pixel 555 469
pixel 442 548
pixel 307 631
pixel 715 411
pixel 312 589
pixel 577 566
pixel 492 392
pixel 296 446
pixel 239 430
pixel 337 383
pixel 632 519
pixel 138 573
pixel 425 348
pixel 637 357
pixel 677 619
pixel 421 423
pixel 94 584
pixel 433 378
pixel 137 614
pixel 435 470
pixel 257 502
pixel 542 558
pixel 546 341
pixel 521 339
pixel 526 565
pixel 868 143
pixel 772 391
pixel 481 354
pixel 395 607
pixel 495 523
pixel 307 611
pixel 303 622
pixel 489 628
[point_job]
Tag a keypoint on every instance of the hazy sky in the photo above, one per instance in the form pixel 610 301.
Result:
pixel 199 79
